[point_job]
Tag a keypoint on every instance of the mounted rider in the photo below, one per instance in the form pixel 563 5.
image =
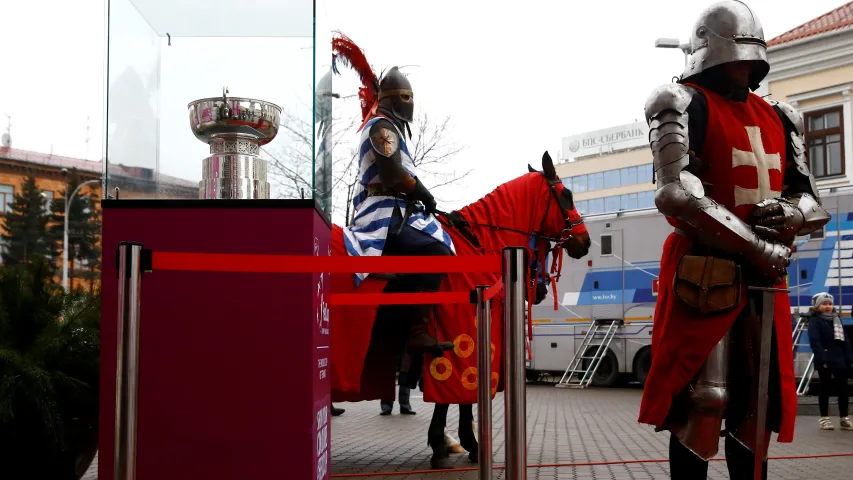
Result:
pixel 393 210
pixel 733 179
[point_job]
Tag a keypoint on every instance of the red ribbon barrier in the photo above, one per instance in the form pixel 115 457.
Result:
pixel 219 262
pixel 494 290
pixel 223 262
pixel 437 298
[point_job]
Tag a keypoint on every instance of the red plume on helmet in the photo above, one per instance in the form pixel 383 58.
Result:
pixel 352 56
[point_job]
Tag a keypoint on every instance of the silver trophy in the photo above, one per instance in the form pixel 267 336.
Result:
pixel 235 129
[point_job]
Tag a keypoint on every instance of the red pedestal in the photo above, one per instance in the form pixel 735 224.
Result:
pixel 233 367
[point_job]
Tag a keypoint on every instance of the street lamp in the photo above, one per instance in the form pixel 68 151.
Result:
pixel 68 200
pixel 674 43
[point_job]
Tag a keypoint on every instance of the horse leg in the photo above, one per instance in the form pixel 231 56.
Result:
pixel 466 431
pixel 435 438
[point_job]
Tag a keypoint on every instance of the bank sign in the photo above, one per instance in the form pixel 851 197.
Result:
pixel 605 141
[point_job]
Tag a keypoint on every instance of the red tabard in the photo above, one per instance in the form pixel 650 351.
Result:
pixel 744 151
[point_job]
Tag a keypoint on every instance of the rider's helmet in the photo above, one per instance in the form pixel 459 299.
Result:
pixel 395 95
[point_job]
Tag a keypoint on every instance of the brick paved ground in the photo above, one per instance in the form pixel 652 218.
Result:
pixel 563 426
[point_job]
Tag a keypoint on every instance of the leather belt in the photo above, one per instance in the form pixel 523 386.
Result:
pixel 377 190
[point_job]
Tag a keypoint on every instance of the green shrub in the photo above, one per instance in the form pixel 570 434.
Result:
pixel 49 369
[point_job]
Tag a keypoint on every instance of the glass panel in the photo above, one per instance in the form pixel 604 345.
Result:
pixel 595 206
pixel 644 173
pixel 611 204
pixel 833 152
pixel 581 207
pixel 832 119
pixel 611 178
pixel 816 161
pixel 833 138
pixel 646 200
pixel 629 176
pixel 629 201
pixel 322 125
pixel 567 182
pixel 596 181
pixel 216 18
pixel 816 123
pixel 163 55
pixel 7 196
pixel 606 245
pixel 579 183
pixel 48 199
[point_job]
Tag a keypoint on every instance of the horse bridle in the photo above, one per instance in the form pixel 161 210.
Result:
pixel 554 243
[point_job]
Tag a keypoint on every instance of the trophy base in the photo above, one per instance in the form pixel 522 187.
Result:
pixel 233 188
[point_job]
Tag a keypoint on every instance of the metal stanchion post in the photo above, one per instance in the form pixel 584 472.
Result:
pixel 484 383
pixel 515 409
pixel 129 263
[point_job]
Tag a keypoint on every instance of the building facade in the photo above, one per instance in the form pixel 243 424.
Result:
pixel 811 67
pixel 50 172
pixel 609 170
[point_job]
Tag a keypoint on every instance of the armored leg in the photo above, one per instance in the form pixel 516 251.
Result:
pixel 420 341
pixel 708 399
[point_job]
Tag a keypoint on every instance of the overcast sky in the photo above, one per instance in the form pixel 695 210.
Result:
pixel 514 79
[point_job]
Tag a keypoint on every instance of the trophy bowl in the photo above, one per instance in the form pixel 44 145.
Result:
pixel 235 129
pixel 233 117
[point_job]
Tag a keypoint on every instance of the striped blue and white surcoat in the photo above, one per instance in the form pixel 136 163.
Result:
pixel 372 214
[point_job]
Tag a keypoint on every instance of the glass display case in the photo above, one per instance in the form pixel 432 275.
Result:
pixel 273 57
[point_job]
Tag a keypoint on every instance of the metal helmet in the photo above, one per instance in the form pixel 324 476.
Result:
pixel 727 32
pixel 395 95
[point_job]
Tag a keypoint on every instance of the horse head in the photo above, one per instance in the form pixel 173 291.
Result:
pixel 562 224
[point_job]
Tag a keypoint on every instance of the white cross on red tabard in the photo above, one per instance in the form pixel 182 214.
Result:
pixel 763 163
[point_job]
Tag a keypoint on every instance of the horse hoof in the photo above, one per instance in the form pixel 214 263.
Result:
pixel 443 463
pixel 472 457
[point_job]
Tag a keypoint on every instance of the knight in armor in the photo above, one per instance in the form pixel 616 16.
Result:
pixel 733 180
pixel 393 209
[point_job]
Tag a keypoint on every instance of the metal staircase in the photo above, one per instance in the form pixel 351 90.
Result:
pixel 599 334
pixel 805 380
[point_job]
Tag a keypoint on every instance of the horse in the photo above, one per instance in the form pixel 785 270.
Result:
pixel 535 211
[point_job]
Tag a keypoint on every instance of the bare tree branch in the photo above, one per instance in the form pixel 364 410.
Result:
pixel 291 166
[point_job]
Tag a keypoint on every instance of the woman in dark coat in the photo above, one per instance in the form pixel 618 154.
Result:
pixel 833 355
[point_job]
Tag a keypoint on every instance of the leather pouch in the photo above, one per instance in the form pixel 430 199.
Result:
pixel 708 284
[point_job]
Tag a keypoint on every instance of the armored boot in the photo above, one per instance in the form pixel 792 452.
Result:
pixel 420 341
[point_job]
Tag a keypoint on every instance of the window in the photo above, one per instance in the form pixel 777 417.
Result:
pixel 629 175
pixel 7 196
pixel 48 199
pixel 824 132
pixel 611 204
pixel 629 201
pixel 595 181
pixel 581 207
pixel 595 206
pixel 579 183
pixel 606 245
pixel 611 178
pixel 644 173
pixel 646 200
